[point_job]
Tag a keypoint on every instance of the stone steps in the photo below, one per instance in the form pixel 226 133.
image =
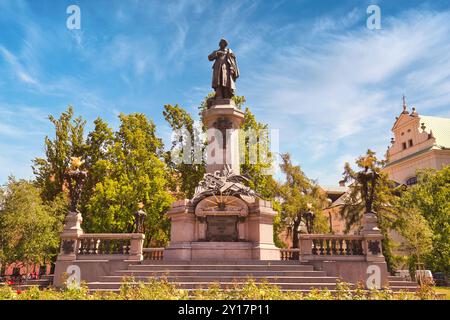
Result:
pixel 215 279
pixel 196 285
pixel 223 267
pixel 201 272
pixel 397 283
pixel 215 262
pixel 192 275
pixel 288 275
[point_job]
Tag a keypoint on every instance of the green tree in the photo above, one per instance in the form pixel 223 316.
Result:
pixel 99 143
pixel 134 173
pixel 68 142
pixel 185 174
pixel 384 199
pixel 299 195
pixel 431 196
pixel 258 159
pixel 29 229
pixel 417 233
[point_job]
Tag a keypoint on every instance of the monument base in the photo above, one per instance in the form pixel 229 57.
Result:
pixel 222 251
pixel 253 226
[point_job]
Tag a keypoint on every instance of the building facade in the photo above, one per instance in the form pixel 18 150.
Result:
pixel 419 142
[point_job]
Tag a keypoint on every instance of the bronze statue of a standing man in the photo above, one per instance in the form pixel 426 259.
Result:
pixel 225 71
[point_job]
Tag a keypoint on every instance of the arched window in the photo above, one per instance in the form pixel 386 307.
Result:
pixel 411 181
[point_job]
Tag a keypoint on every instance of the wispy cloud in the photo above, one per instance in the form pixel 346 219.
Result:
pixel 16 67
pixel 314 71
pixel 342 92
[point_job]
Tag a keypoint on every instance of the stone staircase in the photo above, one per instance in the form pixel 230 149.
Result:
pixel 397 283
pixel 288 275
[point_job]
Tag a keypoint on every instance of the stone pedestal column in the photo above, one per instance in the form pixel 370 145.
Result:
pixel 223 119
pixel 182 231
pixel 136 246
pixel 373 238
pixel 260 231
pixel 69 237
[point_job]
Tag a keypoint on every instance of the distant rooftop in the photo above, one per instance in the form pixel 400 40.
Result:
pixel 334 189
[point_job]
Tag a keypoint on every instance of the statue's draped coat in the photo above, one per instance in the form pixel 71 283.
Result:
pixel 225 69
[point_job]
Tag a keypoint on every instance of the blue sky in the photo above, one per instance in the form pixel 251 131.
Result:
pixel 311 69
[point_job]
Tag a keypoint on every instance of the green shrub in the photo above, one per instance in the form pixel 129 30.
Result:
pixel 7 293
pixel 162 289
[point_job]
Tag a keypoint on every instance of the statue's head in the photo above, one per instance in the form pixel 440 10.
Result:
pixel 223 43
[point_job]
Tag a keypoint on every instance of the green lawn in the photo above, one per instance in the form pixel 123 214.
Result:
pixel 445 290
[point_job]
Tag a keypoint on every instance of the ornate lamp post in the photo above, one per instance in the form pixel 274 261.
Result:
pixel 139 219
pixel 75 178
pixel 309 218
pixel 370 221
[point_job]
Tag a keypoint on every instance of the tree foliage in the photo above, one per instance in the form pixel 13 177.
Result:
pixel 29 229
pixel 384 199
pixel 430 196
pixel 192 167
pixel 134 173
pixel 258 158
pixel 417 233
pixel 124 169
pixel 299 195
pixel 68 142
pixel 384 194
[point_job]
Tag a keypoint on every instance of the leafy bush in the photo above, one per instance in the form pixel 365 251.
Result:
pixel 162 289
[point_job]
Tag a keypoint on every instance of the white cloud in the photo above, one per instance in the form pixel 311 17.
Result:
pixel 17 68
pixel 340 93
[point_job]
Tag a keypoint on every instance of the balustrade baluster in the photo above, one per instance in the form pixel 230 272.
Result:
pixel 314 249
pixel 359 247
pixel 333 247
pixel 88 246
pixel 341 247
pixel 96 246
pixel 128 246
pixel 328 247
pixel 347 248
pixel 321 247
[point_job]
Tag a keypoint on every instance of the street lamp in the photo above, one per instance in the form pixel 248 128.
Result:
pixel 309 218
pixel 139 218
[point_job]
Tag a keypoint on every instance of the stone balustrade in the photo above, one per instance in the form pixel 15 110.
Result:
pixel 102 245
pixel 289 254
pixel 153 253
pixel 339 247
pixel 332 245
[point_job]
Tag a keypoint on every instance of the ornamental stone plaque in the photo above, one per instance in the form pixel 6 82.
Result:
pixel 221 228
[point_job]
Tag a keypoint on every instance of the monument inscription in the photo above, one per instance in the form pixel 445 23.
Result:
pixel 221 228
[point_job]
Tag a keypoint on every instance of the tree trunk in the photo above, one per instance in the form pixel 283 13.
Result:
pixel 295 240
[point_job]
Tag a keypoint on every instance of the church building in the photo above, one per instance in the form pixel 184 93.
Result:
pixel 419 142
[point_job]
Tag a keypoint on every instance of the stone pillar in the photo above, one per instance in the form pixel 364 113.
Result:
pixel 223 116
pixel 260 231
pixel 136 246
pixel 69 237
pixel 376 270
pixel 182 231
pixel 372 238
